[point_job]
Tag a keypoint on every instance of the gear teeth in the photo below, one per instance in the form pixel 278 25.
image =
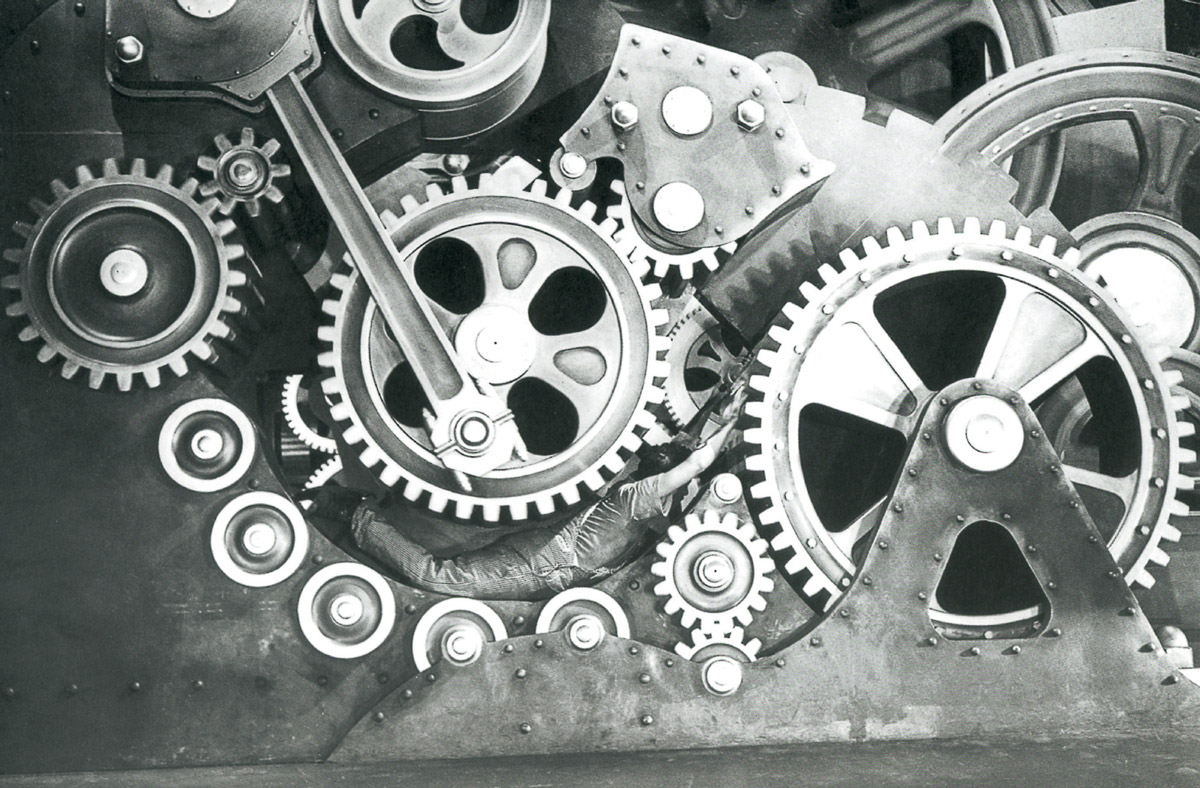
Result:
pixel 1048 245
pixel 827 273
pixel 945 226
pixel 686 263
pixel 1143 579
pixel 718 532
pixel 1023 236
pixel 290 405
pixel 1170 533
pixel 870 246
pixel 1070 259
pixel 325 473
pixel 998 230
pixel 704 644
pixel 74 354
pixel 517 506
pixel 972 227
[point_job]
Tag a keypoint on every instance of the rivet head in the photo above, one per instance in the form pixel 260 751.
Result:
pixel 407 694
pixel 72 689
pixel 10 692
pixel 973 651
pixel 815 642
pixel 883 544
pixel 646 720
pixel 525 727
pixel 644 678
pixel 198 684
pixel 1014 650
pixel 781 662
pixel 508 648
pixel 669 662
pixel 633 650
pixel 896 507
pixel 432 677
pixel 129 49
pixel 1053 632
pixel 410 609
pixel 922 595
pixel 634 585
pixel 135 686
pixel 380 716
pixel 538 643
pixel 844 613
pixel 519 620
pixel 931 641
pixel 521 673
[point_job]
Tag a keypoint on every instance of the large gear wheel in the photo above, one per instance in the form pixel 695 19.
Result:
pixel 842 383
pixel 125 275
pixel 715 571
pixel 688 262
pixel 1147 250
pixel 243 173
pixel 543 307
pixel 701 354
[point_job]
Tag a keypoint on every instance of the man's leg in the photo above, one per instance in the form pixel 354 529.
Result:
pixel 524 565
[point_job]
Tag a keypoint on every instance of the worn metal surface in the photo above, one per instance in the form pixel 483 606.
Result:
pixel 874 668
pixel 773 164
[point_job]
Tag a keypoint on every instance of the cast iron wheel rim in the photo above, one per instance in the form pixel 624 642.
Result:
pixel 824 559
pixel 501 61
pixel 364 358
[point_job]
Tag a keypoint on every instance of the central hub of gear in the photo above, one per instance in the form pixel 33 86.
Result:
pixel 713 571
pixel 259 539
pixel 984 433
pixel 346 610
pixel 124 272
pixel 462 644
pixel 497 343
pixel 245 171
pixel 585 632
pixel 473 432
pixel 207 444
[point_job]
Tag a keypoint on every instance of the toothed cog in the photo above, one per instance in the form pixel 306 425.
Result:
pixel 125 274
pixel 715 571
pixel 842 381
pixel 543 307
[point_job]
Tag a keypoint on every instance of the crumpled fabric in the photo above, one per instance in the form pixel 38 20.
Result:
pixel 530 564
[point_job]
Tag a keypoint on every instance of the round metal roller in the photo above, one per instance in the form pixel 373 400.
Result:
pixel 586 615
pixel 455 630
pixel 206 445
pixel 346 610
pixel 259 539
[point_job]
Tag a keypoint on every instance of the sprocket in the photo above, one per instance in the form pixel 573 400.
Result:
pixel 544 307
pixel 699 358
pixel 705 645
pixel 125 275
pixel 857 363
pixel 243 173
pixel 715 571
pixel 662 261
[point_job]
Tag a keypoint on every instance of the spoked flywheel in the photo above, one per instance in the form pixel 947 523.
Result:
pixel 543 308
pixel 844 381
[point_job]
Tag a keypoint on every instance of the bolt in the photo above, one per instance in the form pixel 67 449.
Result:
pixel 722 675
pixel 624 115
pixel 129 49
pixel 572 165
pixel 678 207
pixel 726 488
pixel 750 115
pixel 456 163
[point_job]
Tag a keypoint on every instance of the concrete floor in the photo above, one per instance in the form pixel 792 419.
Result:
pixel 1168 761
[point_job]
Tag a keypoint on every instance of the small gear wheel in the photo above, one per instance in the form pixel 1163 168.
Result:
pixel 706 645
pixel 126 274
pixel 299 417
pixel 686 261
pixel 544 307
pixel 327 472
pixel 243 173
pixel 715 571
pixel 701 354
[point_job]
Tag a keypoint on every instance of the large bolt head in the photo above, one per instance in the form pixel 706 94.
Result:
pixel 129 49
pixel 572 165
pixel 722 675
pixel 346 610
pixel 585 632
pixel 678 207
pixel 462 645
pixel 751 115
pixel 624 115
pixel 726 488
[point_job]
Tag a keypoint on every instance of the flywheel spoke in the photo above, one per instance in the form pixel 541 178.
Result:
pixel 862 525
pixel 886 347
pixel 1066 366
pixel 380 19
pixel 461 42
pixel 898 33
pixel 1123 487
pixel 1167 139
pixel 1004 329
